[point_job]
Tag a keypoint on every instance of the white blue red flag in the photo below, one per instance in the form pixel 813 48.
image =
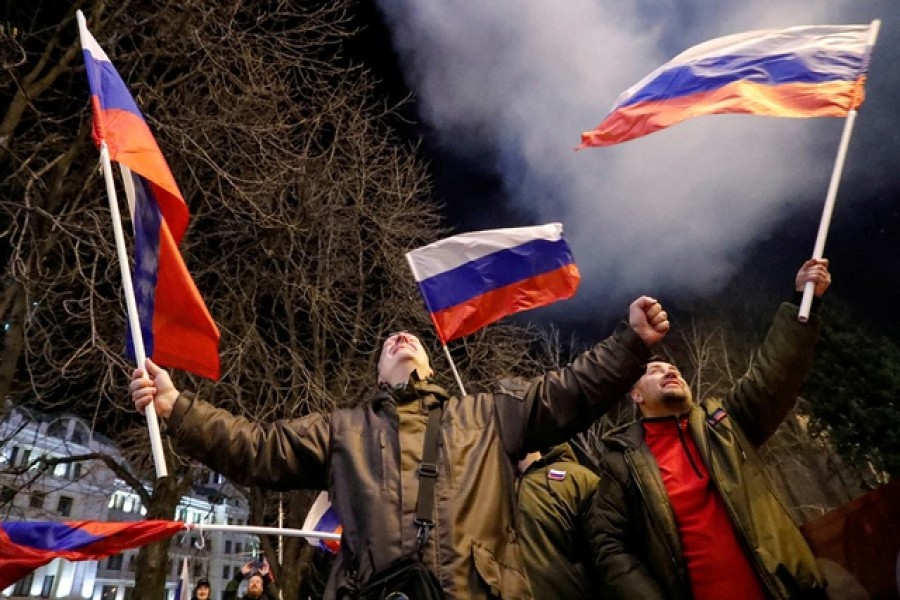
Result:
pixel 27 545
pixel 177 329
pixel 473 279
pixel 323 518
pixel 814 71
pixel 183 587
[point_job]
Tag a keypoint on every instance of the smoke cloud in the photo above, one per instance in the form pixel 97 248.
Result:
pixel 515 82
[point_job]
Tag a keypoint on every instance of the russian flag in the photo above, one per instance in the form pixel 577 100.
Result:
pixel 814 71
pixel 177 329
pixel 473 279
pixel 183 587
pixel 323 518
pixel 27 545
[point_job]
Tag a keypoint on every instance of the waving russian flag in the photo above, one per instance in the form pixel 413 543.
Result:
pixel 473 279
pixel 816 71
pixel 324 519
pixel 27 545
pixel 177 329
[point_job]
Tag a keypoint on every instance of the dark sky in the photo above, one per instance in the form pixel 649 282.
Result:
pixel 503 90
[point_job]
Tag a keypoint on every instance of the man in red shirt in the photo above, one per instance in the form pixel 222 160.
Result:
pixel 686 509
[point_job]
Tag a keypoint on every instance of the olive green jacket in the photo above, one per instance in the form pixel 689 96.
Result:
pixel 556 497
pixel 639 551
pixel 367 458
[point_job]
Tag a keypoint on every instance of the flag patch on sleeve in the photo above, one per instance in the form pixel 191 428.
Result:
pixel 556 475
pixel 717 416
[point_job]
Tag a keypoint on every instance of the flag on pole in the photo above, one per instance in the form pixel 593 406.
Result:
pixel 27 545
pixel 323 518
pixel 183 588
pixel 815 71
pixel 177 329
pixel 473 279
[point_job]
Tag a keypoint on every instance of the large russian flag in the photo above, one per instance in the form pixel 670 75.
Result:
pixel 27 545
pixel 177 329
pixel 473 279
pixel 816 71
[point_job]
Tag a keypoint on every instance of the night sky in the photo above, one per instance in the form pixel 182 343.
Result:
pixel 502 91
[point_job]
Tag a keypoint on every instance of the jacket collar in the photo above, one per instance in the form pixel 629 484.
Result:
pixel 631 435
pixel 415 388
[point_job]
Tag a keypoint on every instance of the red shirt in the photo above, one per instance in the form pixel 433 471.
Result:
pixel 716 564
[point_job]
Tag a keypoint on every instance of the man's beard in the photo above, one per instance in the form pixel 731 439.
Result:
pixel 676 399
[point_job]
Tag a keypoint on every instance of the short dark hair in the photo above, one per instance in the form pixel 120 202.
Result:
pixel 202 582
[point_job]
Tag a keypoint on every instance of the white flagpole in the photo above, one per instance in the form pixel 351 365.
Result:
pixel 262 531
pixel 456 376
pixel 830 197
pixel 159 459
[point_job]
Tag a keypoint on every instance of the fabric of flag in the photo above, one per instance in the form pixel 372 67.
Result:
pixel 473 279
pixel 323 518
pixel 183 588
pixel 177 329
pixel 816 71
pixel 27 545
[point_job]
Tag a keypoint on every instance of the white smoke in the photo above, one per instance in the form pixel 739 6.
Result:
pixel 673 212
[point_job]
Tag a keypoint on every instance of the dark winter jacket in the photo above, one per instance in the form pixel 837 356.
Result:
pixel 367 458
pixel 556 497
pixel 270 592
pixel 639 551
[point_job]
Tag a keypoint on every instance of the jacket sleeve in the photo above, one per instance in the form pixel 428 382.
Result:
pixel 566 401
pixel 286 454
pixel 231 588
pixel 611 531
pixel 762 398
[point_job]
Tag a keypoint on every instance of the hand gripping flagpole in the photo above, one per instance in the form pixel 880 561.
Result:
pixel 159 459
pixel 830 197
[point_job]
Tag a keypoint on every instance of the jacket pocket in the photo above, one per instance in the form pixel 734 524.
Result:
pixel 501 580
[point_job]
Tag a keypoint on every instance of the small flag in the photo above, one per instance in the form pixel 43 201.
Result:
pixel 183 588
pixel 716 417
pixel 177 329
pixel 473 279
pixel 815 71
pixel 27 545
pixel 323 518
pixel 556 475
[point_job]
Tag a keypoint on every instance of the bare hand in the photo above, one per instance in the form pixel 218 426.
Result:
pixel 264 569
pixel 153 386
pixel 648 319
pixel 814 270
pixel 246 569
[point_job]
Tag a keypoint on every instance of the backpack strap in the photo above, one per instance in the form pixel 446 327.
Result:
pixel 428 475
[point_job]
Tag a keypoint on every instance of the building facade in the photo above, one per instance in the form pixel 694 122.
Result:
pixel 39 481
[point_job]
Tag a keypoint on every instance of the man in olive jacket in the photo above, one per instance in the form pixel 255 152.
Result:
pixel 556 499
pixel 368 456
pixel 687 511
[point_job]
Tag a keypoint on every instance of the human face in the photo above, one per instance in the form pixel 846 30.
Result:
pixel 255 586
pixel 401 354
pixel 202 593
pixel 661 391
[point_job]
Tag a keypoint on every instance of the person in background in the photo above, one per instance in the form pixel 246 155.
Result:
pixel 686 509
pixel 259 582
pixel 556 499
pixel 201 590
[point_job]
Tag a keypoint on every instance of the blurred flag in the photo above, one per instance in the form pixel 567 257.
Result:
pixel 322 517
pixel 177 329
pixel 816 71
pixel 183 588
pixel 473 279
pixel 27 545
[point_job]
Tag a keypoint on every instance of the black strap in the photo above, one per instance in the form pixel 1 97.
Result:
pixel 428 475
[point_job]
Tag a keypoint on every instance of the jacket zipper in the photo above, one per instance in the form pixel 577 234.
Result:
pixel 680 427
pixel 645 497
pixel 761 570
